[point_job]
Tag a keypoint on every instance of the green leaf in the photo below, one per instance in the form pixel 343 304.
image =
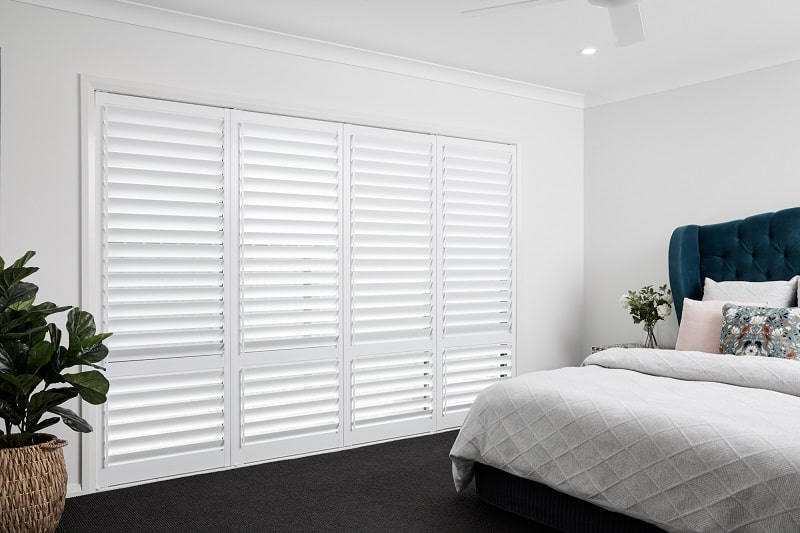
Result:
pixel 91 385
pixel 10 412
pixel 29 320
pixel 38 356
pixel 47 422
pixel 19 292
pixel 94 354
pixel 44 401
pixel 13 356
pixel 22 306
pixel 13 275
pixel 80 326
pixel 28 382
pixel 12 380
pixel 23 260
pixel 72 420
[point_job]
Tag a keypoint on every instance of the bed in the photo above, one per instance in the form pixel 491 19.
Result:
pixel 650 440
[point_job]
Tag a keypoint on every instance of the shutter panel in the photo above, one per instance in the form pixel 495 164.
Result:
pixel 390 296
pixel 476 236
pixel 477 222
pixel 391 238
pixel 289 216
pixel 289 283
pixel 466 372
pixel 163 225
pixel 290 408
pixel 391 395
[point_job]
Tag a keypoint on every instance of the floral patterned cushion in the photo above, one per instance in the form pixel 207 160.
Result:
pixel 764 331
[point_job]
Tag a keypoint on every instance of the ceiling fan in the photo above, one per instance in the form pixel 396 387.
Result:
pixel 626 18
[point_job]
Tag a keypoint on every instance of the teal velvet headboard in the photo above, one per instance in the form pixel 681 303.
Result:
pixel 763 247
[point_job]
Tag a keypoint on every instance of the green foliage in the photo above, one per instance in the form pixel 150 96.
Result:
pixel 33 361
pixel 648 305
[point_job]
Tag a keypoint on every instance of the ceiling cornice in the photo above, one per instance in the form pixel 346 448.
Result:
pixel 217 30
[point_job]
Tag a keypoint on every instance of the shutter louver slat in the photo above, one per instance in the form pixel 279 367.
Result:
pixel 391 237
pixel 289 217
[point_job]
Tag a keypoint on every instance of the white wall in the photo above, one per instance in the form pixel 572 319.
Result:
pixel 707 153
pixel 44 52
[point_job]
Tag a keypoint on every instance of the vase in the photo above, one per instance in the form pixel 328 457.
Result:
pixel 33 486
pixel 650 336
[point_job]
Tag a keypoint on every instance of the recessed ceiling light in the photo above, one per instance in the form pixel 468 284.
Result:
pixel 589 51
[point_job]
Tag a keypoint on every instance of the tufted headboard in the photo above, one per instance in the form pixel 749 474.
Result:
pixel 763 247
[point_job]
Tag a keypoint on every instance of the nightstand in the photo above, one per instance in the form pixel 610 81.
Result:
pixel 600 348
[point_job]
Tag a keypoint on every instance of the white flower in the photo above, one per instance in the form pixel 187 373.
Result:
pixel 664 310
pixel 757 319
pixel 751 350
pixel 624 302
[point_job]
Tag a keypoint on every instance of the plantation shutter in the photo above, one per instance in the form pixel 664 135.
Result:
pixel 162 166
pixel 476 238
pixel 390 342
pixel 279 286
pixel 289 285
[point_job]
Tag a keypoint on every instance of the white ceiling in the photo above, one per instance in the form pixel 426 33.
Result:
pixel 688 41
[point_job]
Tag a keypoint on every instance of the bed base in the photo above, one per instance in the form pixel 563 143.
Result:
pixel 549 507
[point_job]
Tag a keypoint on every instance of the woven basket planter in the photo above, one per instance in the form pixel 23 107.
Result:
pixel 33 486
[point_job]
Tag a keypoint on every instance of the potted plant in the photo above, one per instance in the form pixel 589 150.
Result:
pixel 35 381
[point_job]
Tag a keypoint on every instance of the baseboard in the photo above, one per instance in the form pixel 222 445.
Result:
pixel 74 489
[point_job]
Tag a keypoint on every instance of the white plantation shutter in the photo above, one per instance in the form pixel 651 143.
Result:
pixel 290 237
pixel 476 237
pixel 289 285
pixel 391 237
pixel 162 166
pixel 279 286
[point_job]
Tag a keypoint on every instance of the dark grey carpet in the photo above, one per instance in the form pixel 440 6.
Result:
pixel 404 485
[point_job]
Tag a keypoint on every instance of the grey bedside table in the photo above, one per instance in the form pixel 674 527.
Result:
pixel 602 347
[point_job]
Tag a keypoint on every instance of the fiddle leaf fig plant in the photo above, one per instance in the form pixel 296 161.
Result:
pixel 37 373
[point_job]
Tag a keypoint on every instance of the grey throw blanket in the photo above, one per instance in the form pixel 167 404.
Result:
pixel 684 440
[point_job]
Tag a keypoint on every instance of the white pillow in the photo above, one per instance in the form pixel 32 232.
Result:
pixel 701 325
pixel 772 293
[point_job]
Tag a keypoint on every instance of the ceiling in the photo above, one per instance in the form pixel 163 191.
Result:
pixel 688 41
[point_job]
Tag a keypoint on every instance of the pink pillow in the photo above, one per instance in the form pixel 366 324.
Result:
pixel 701 325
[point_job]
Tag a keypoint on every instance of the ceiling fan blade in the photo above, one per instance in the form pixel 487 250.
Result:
pixel 505 6
pixel 627 24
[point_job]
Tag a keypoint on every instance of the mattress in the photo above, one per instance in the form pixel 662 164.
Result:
pixel 685 441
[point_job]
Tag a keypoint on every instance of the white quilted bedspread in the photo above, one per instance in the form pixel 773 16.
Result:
pixel 684 440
